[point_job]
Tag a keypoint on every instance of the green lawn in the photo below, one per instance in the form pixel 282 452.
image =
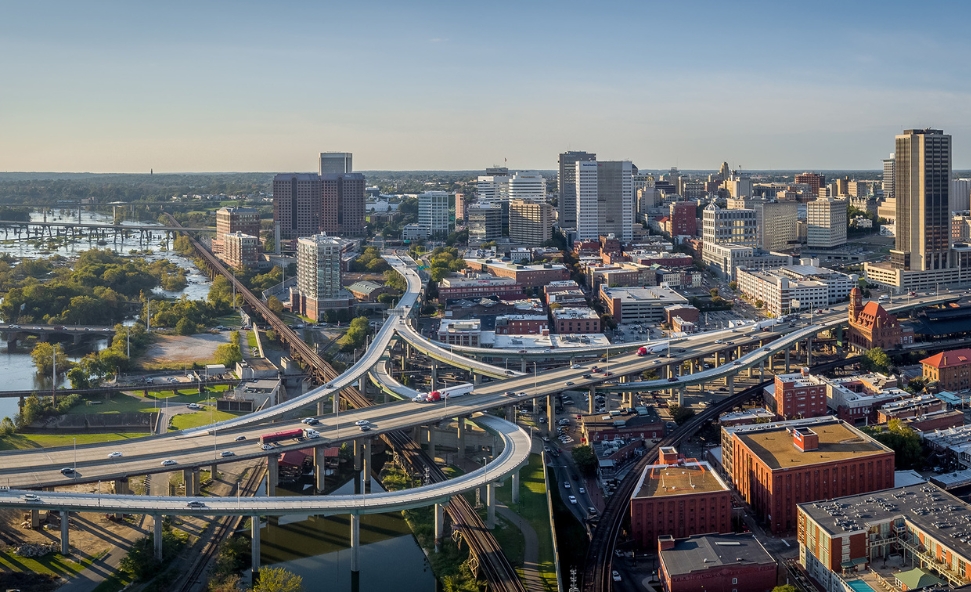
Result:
pixel 251 340
pixel 115 582
pixel 53 564
pixel 22 441
pixel 199 418
pixel 532 506
pixel 118 403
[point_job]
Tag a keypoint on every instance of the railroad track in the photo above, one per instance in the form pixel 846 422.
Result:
pixel 193 578
pixel 491 561
pixel 596 573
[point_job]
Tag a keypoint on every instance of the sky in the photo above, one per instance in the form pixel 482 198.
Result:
pixel 200 86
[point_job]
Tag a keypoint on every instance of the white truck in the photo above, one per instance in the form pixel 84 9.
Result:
pixel 445 393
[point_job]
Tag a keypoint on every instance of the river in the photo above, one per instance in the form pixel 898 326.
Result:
pixel 16 367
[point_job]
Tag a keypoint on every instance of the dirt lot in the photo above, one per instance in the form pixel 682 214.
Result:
pixel 169 349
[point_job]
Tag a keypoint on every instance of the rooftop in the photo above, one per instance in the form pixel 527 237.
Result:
pixel 461 282
pixel 925 506
pixel 653 293
pixel 575 313
pixel 553 341
pixel 837 441
pixel 702 552
pixel 681 479
pixel 949 359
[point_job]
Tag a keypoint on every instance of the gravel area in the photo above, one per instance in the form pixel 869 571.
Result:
pixel 194 348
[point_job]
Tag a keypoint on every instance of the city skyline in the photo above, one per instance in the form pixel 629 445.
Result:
pixel 129 88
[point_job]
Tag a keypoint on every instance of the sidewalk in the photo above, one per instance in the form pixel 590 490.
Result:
pixel 531 577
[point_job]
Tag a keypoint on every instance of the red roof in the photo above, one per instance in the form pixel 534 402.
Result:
pixel 949 359
pixel 293 457
pixel 873 311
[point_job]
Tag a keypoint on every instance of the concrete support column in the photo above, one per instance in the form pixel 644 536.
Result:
pixel 460 437
pixel 550 414
pixel 255 545
pixel 319 467
pixel 366 464
pixel 787 360
pixel 362 384
pixel 515 487
pixel 187 480
pixel 272 474
pixel 523 367
pixel 762 370
pixel 511 413
pixel 432 443
pixel 731 384
pixel 590 404
pixel 337 402
pixel 65 525
pixel 490 505
pixel 809 351
pixel 434 376
pixel 681 396
pixel 439 524
pixel 355 543
pixel 476 378
pixel 196 481
pixel 738 352
pixel 213 472
pixel 157 535
pixel 121 487
pixel 321 407
pixel 35 518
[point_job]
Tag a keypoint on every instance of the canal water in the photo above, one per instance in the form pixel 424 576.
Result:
pixel 319 550
pixel 16 367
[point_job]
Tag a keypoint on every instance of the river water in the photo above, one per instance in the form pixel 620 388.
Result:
pixel 16 367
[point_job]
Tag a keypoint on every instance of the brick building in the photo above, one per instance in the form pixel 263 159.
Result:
pixel 575 320
pixel 234 219
pixel 775 469
pixel 951 370
pixel 532 324
pixel 678 498
pixel 599 427
pixel 796 395
pixel 728 562
pixel 684 218
pixel 454 288
pixel 240 250
pixel 527 276
pixel 872 326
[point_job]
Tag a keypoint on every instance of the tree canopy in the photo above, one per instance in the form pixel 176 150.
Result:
pixel 903 440
pixel 876 360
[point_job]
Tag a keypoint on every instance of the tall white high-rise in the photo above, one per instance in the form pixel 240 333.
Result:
pixel 615 198
pixel 492 187
pixel 587 211
pixel 960 196
pixel 526 185
pixel 335 163
pixel 889 165
pixel 826 223
pixel 433 214
pixel 566 185
pixel 729 227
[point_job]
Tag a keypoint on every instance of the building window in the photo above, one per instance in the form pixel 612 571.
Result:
pixel 734 581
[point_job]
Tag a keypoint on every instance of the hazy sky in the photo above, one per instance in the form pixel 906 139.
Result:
pixel 264 86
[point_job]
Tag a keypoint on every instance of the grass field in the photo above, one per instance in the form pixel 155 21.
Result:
pixel 118 403
pixel 24 441
pixel 199 418
pixel 532 506
pixel 53 564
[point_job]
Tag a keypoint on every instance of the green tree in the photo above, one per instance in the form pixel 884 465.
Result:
pixel 876 360
pixel 186 326
pixel 680 414
pixel 916 385
pixel 43 355
pixel 903 440
pixel 275 305
pixel 585 459
pixel 394 281
pixel 785 588
pixel 355 336
pixel 733 285
pixel 278 579
pixel 228 354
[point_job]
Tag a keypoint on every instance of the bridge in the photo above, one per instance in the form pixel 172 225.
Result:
pixel 19 226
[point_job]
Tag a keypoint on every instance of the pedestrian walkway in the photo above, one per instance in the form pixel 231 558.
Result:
pixel 531 578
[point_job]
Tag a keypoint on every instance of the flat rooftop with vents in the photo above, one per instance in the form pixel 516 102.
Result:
pixel 836 441
pixel 679 479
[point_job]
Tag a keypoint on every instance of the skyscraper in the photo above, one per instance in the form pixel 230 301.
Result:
pixel 888 168
pixel 305 204
pixel 527 185
pixel 433 215
pixel 335 163
pixel 567 183
pixel 318 274
pixel 342 204
pixel 814 180
pixel 529 221
pixel 615 198
pixel 826 223
pixel 585 209
pixel 922 176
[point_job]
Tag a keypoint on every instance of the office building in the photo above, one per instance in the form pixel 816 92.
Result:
pixel 466 332
pixel 615 199
pixel 922 177
pixel 951 370
pixel 567 186
pixel 240 250
pixel 527 276
pixel 826 223
pixel 485 221
pixel 922 526
pixel 776 468
pixel 454 288
pixel 725 260
pixel 586 211
pixel 813 180
pixel 775 222
pixel 780 295
pixel 526 185
pixel 678 497
pixel 639 305
pixel 728 562
pixel 738 185
pixel 575 320
pixel 684 218
pixel 530 221
pixel 305 204
pixel 335 163
pixel 318 276
pixel 492 187
pixel 433 214
pixel 888 169
pixel 729 227
pixel 960 195
pixel 797 395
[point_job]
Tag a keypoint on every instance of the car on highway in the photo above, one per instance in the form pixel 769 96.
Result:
pixel 365 428
pixel 569 383
pixel 194 406
pixel 67 471
pixel 169 462
pixel 195 504
pixel 575 366
pixel 362 422
pixel 240 438
pixel 592 511
pixel 509 393
pixel 608 373
pixel 226 453
pixel 313 421
pixel 587 376
pixel 581 489
pixel 615 575
pixel 115 455
pixel 573 500
pixel 673 379
pixel 566 485
pixel 266 447
pixel 736 363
